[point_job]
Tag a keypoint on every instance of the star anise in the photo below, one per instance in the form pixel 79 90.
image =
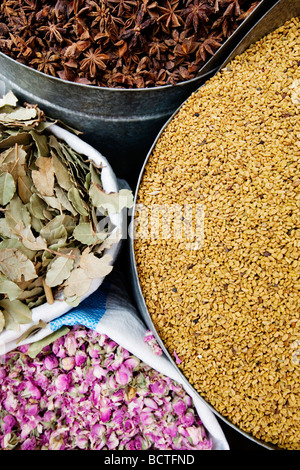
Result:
pixel 100 14
pixel 4 30
pixel 78 20
pixel 29 5
pixel 123 8
pixel 7 8
pixel 151 8
pixel 24 51
pixel 53 32
pixel 184 50
pixel 232 8
pixel 157 47
pixel 171 15
pixel 246 13
pixel 75 49
pixel 135 34
pixel 122 43
pixel 196 13
pixel 47 62
pixel 225 25
pixel 94 60
pixel 208 48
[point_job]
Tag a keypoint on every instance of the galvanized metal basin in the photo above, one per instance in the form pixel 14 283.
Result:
pixel 282 11
pixel 121 123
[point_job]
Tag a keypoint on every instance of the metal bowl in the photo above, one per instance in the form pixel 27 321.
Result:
pixel 282 11
pixel 121 123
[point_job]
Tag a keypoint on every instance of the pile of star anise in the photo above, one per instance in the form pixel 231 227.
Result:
pixel 118 43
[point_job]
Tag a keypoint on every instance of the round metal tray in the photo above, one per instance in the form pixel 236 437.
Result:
pixel 282 11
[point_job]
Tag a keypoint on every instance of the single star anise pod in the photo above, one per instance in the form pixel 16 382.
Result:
pixel 185 50
pixel 136 33
pixel 7 8
pixel 94 60
pixel 208 47
pixel 196 13
pixel 53 32
pixel 47 62
pixel 233 8
pixel 157 48
pixel 171 15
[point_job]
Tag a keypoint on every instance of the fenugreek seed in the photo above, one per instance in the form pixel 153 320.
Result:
pixel 234 147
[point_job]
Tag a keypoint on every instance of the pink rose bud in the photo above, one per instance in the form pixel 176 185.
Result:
pixel 179 407
pixel 105 414
pixel 68 363
pixel 62 382
pixel 50 362
pixel 123 375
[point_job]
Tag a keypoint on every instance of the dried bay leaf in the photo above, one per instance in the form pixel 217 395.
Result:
pixel 30 294
pixel 95 267
pixel 16 244
pixel 78 203
pixel 9 99
pixel 54 230
pixel 53 202
pixel 41 141
pixel 7 188
pixel 113 203
pixel 9 288
pixel 10 322
pixel 73 301
pixel 13 161
pixel 59 270
pixel 43 178
pixel 37 205
pixel 17 311
pixel 15 212
pixel 63 200
pixel 52 236
pixel 5 231
pixel 36 224
pixel 18 114
pixel 16 266
pixel 17 168
pixel 32 331
pixel 21 138
pixel 84 234
pixel 95 176
pixel 110 240
pixel 24 185
pixel 36 347
pixel 77 284
pixel 61 173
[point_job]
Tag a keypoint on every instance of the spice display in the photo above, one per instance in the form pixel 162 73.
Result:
pixel 228 309
pixel 54 219
pixel 124 44
pixel 84 391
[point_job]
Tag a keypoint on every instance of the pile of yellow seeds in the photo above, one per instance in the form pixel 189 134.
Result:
pixel 230 307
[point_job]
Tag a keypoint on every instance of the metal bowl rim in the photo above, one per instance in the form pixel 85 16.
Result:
pixel 137 286
pixel 146 89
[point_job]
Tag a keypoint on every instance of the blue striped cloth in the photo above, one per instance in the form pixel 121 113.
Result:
pixel 88 313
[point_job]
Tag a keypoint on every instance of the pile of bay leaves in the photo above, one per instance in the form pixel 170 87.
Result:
pixel 54 216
